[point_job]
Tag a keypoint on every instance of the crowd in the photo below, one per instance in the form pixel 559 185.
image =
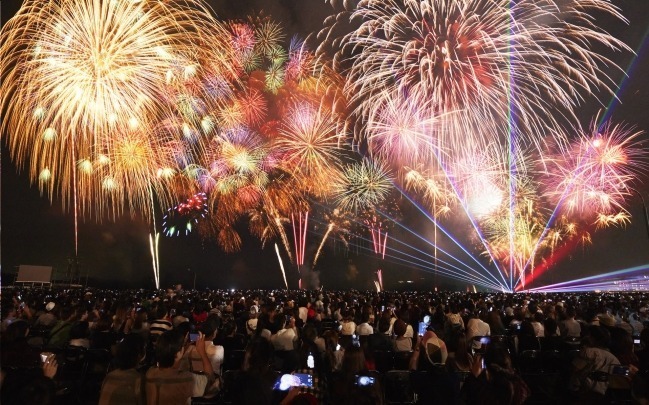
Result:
pixel 312 347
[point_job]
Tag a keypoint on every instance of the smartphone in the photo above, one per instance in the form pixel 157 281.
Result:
pixel 364 380
pixel 193 337
pixel 356 341
pixel 287 381
pixel 337 347
pixel 620 370
pixel 636 341
pixel 422 328
pixel 485 340
pixel 482 364
pixel 310 361
pixel 382 308
pixel 45 356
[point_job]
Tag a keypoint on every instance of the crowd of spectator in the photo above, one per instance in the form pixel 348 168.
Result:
pixel 342 347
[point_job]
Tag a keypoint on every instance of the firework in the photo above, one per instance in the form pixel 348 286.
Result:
pixel 338 222
pixel 362 185
pixel 309 145
pixel 596 173
pixel 485 68
pixel 182 217
pixel 75 72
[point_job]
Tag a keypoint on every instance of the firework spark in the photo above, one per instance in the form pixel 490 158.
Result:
pixel 362 185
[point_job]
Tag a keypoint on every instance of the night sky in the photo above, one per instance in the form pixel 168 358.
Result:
pixel 117 254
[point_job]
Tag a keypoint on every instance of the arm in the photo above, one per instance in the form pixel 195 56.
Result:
pixel 200 349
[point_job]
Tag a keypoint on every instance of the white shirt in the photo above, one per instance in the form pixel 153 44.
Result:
pixel 476 327
pixel 283 339
pixel 364 329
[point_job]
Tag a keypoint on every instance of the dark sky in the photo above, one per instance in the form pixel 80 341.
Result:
pixel 116 254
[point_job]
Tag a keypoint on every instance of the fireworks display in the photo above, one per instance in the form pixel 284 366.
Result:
pixel 181 218
pixel 466 110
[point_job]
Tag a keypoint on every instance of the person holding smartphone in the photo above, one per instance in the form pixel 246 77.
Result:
pixel 167 383
pixel 494 379
pixel 285 338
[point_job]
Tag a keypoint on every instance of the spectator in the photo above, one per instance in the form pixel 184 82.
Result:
pixel 364 328
pixel 495 383
pixel 166 383
pixel 345 390
pixel 477 326
pixel 124 385
pixel 254 384
pixel 47 319
pixel 79 334
pixel 59 335
pixel 569 327
pixel 161 324
pixel 16 352
pixel 594 357
pixel 380 340
pixel 401 343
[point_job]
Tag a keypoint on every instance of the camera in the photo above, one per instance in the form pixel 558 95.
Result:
pixel 364 380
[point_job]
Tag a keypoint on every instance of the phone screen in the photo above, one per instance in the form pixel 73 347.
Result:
pixel 287 381
pixel 193 337
pixel 364 381
pixel 422 328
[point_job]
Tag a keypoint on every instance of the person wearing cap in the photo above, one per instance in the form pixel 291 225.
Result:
pixel 47 319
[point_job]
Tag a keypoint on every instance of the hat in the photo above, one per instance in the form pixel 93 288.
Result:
pixel 50 306
pixel 606 320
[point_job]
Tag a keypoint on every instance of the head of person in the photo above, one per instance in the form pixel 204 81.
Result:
pixel 353 360
pixel 129 351
pixel 210 327
pixel 79 330
pixel 400 327
pixel 169 348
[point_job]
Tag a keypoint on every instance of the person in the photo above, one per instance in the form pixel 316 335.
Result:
pixel 20 388
pixel 477 326
pixel 380 340
pixel 254 383
pixel 460 359
pixel 537 324
pixel 59 335
pixel 364 328
pixel 161 324
pixel 79 334
pixel 124 384
pixel 348 326
pixel 401 343
pixel 16 352
pixel 215 353
pixel 429 350
pixel 166 383
pixel 344 386
pixel 593 358
pixel 47 319
pixel 569 327
pixel 493 379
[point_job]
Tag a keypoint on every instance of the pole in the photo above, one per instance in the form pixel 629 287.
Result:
pixel 644 207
